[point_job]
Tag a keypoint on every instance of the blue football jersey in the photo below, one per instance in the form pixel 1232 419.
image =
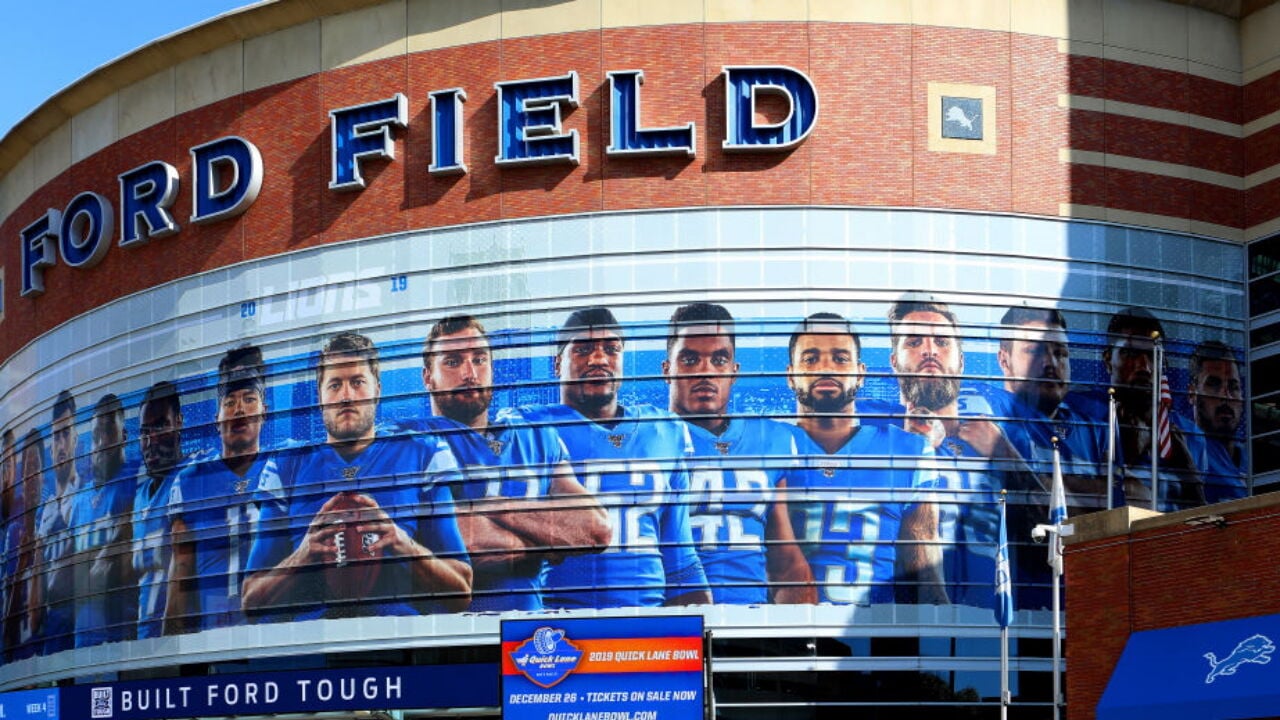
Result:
pixel 221 514
pixel 509 461
pixel 1082 438
pixel 104 614
pixel 636 468
pixel 151 549
pixel 968 517
pixel 1224 477
pixel 408 476
pixel 57 542
pixel 20 557
pixel 733 479
pixel 847 508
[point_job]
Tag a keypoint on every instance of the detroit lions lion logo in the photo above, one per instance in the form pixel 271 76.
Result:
pixel 957 116
pixel 1256 649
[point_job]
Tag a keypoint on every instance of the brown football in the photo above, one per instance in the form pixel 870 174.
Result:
pixel 354 573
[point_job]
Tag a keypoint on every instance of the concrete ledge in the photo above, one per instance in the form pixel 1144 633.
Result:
pixel 1106 524
pixel 1129 520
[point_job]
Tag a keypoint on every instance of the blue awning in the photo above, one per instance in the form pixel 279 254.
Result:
pixel 1214 671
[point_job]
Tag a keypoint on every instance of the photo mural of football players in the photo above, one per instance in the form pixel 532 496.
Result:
pixel 927 357
pixel 107 594
pixel 1036 406
pixel 19 615
pixel 632 458
pixel 738 475
pixel 160 439
pixel 854 501
pixel 519 506
pixel 1129 361
pixel 11 516
pixel 53 596
pixel 1216 394
pixel 8 508
pixel 386 542
pixel 212 510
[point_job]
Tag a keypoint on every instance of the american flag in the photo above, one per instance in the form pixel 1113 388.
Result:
pixel 1166 402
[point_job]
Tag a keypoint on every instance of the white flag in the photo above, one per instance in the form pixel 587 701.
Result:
pixel 1057 513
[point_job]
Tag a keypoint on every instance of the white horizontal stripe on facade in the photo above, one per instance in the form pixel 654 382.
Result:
pixel 1146 112
pixel 1173 117
pixel 1152 167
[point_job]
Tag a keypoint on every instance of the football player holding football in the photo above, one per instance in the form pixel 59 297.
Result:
pixel 363 524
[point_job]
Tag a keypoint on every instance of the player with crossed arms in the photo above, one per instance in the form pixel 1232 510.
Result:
pixel 520 508
pixel 632 458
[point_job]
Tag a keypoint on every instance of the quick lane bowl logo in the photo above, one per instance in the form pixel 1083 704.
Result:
pixel 1256 649
pixel 547 657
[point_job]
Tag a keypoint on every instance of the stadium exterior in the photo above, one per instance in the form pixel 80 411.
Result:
pixel 1002 199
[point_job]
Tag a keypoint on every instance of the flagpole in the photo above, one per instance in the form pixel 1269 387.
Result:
pixel 1111 447
pixel 1156 372
pixel 1004 673
pixel 1005 607
pixel 1057 515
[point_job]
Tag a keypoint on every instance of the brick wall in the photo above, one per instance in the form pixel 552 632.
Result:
pixel 1164 573
pixel 869 148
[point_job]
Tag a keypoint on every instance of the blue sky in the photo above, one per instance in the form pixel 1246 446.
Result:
pixel 46 45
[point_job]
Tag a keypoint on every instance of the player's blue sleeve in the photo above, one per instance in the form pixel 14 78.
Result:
pixel 557 451
pixel 272 539
pixel 438 531
pixel 679 556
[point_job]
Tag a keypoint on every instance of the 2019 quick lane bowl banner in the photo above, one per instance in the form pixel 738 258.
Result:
pixel 603 669
pixel 431 686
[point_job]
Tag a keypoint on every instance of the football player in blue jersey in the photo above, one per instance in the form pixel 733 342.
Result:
pixel 20 612
pixel 107 601
pixel 160 437
pixel 1034 407
pixel 976 457
pixel 1129 361
pixel 856 501
pixel 8 508
pixel 392 489
pixel 1217 405
pixel 212 510
pixel 519 506
pixel 54 597
pixel 738 476
pixel 632 457
pixel 11 518
pixel 1035 360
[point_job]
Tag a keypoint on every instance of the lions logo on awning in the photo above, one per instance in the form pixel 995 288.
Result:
pixel 547 657
pixel 1255 649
